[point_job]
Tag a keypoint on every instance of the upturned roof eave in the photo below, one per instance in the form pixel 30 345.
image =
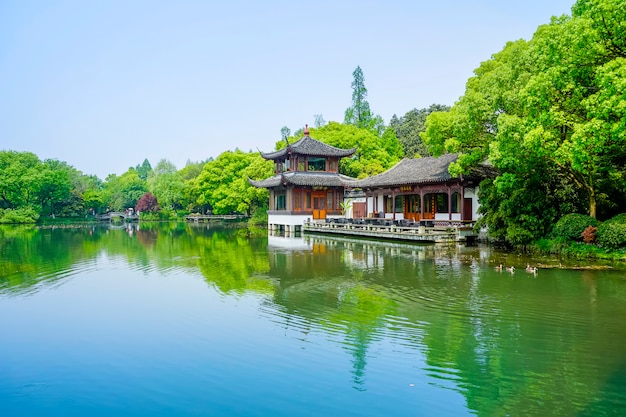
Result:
pixel 309 146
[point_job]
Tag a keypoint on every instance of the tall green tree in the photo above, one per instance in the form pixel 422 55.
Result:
pixel 122 192
pixel 166 183
pixel 144 169
pixel 55 186
pixel 409 129
pixel 359 113
pixel 20 179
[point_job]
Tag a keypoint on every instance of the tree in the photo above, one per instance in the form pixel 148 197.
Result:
pixel 192 170
pixel 55 185
pixel 285 132
pixel 20 179
pixel 359 114
pixel 410 127
pixel 223 184
pixel 144 169
pixel 147 203
pixel 166 183
pixel 319 120
pixel 122 192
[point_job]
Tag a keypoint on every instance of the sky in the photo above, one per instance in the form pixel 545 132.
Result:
pixel 103 85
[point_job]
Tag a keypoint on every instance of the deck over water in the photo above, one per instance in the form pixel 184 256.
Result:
pixel 393 230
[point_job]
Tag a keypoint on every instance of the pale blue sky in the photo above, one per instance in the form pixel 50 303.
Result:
pixel 102 85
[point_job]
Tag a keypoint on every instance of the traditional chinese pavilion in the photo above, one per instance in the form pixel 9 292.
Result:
pixel 423 189
pixel 306 183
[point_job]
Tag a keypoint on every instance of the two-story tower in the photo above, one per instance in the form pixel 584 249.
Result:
pixel 306 183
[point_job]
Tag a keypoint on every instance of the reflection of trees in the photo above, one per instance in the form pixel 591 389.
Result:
pixel 30 256
pixel 233 262
pixel 551 344
pixel 548 346
pixel 323 287
pixel 228 258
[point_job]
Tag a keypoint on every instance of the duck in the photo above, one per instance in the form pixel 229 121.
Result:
pixel 499 267
pixel 510 269
pixel 531 269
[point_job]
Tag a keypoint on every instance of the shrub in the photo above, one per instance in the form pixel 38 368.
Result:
pixel 612 233
pixel 589 235
pixel 620 218
pixel 18 215
pixel 148 202
pixel 571 226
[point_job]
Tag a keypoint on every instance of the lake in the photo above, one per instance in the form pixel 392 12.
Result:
pixel 160 319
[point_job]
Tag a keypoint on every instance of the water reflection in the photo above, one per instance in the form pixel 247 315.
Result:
pixel 548 344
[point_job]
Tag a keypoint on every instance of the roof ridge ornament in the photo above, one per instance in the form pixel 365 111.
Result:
pixel 306 130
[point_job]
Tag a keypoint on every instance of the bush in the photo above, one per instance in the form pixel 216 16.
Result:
pixel 571 226
pixel 620 218
pixel 259 217
pixel 19 215
pixel 612 233
pixel 589 235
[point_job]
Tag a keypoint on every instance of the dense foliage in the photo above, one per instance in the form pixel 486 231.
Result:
pixel 222 187
pixel 550 115
pixel 612 233
pixel 409 129
pixel 572 226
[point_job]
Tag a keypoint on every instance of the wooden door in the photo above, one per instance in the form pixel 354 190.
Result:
pixel 467 209
pixel 358 210
pixel 319 205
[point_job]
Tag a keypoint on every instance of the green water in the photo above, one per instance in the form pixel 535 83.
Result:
pixel 179 319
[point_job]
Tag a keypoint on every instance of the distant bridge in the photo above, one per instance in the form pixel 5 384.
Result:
pixel 117 215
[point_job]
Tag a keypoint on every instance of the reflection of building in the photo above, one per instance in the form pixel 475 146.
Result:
pixel 421 189
pixel 307 183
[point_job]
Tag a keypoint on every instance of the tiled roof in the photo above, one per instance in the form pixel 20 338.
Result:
pixel 311 147
pixel 309 179
pixel 410 171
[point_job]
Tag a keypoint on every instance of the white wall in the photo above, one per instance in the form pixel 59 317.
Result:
pixel 288 219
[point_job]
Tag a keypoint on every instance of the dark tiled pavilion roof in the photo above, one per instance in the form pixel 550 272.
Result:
pixel 410 171
pixel 308 179
pixel 308 146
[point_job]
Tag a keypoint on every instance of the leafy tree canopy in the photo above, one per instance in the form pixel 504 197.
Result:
pixel 166 183
pixel 122 192
pixel 223 184
pixel 409 129
pixel 554 106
